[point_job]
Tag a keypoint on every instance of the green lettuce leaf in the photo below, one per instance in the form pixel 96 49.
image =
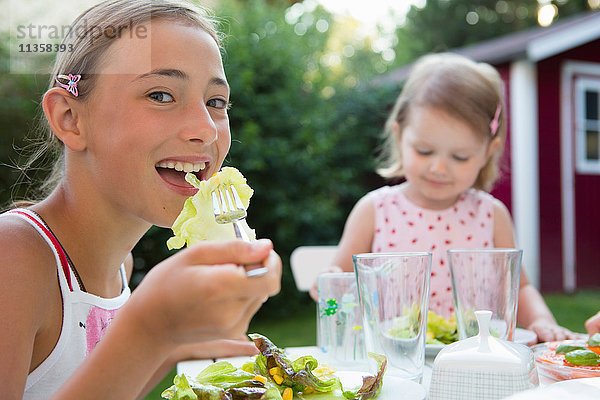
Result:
pixel 582 357
pixel 196 222
pixel 566 348
pixel 181 390
pixel 371 384
pixel 442 330
pixel 224 375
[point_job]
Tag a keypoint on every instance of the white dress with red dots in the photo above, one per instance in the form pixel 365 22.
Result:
pixel 85 318
pixel 402 226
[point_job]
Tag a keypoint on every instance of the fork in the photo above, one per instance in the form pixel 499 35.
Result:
pixel 229 209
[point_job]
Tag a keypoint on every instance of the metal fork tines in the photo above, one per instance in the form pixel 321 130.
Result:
pixel 227 205
pixel 229 209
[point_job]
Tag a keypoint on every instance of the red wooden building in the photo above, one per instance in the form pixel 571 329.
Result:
pixel 552 185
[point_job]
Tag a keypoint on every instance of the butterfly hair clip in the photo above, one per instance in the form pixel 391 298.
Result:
pixel 71 83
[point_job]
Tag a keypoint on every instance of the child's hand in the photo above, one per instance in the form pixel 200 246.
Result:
pixel 202 293
pixel 314 291
pixel 548 331
pixel 592 325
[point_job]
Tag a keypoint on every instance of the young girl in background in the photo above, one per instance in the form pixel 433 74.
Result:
pixel 445 136
pixel 143 88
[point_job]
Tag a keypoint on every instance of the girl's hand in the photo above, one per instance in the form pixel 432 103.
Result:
pixel 548 331
pixel 202 293
pixel 592 325
pixel 314 291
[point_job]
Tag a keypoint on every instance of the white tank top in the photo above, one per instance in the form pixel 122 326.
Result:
pixel 85 318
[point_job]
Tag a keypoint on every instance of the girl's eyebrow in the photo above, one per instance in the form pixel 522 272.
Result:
pixel 176 73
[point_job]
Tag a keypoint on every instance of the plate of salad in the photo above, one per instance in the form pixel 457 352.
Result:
pixel 273 375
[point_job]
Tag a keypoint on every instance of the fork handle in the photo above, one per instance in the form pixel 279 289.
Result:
pixel 253 269
pixel 240 233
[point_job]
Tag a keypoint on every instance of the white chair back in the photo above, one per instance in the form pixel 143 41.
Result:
pixel 307 262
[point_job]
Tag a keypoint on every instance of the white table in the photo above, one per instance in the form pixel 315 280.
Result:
pixel 194 367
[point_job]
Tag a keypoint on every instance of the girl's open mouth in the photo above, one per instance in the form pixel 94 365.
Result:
pixel 173 172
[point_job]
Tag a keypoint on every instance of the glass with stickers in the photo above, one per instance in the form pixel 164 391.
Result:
pixel 339 322
pixel 394 297
pixel 486 279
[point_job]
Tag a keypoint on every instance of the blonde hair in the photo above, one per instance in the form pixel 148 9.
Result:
pixel 466 90
pixel 89 37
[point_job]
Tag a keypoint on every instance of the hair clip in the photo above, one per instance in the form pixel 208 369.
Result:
pixel 495 123
pixel 71 85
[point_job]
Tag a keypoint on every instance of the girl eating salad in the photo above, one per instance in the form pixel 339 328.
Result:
pixel 143 88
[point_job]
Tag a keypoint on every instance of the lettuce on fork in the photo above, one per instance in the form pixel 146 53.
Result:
pixel 196 222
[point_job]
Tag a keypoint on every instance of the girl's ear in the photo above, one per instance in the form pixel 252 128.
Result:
pixel 493 147
pixel 62 115
pixel 396 128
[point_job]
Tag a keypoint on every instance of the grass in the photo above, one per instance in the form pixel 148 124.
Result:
pixel 299 329
pixel 571 310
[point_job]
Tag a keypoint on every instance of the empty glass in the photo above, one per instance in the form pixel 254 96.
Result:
pixel 339 328
pixel 486 279
pixel 394 296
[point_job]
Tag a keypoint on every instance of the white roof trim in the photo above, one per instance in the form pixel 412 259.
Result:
pixel 555 43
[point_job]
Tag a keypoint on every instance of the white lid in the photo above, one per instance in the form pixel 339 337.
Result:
pixel 485 352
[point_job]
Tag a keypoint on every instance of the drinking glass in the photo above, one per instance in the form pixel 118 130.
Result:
pixel 394 296
pixel 486 279
pixel 339 321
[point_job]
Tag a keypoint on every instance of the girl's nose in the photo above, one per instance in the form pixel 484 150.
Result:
pixel 438 165
pixel 199 125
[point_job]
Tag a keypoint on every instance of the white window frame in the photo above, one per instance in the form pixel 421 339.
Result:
pixel 582 84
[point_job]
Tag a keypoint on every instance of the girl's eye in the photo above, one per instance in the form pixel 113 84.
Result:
pixel 424 152
pixel 460 158
pixel 218 103
pixel 161 97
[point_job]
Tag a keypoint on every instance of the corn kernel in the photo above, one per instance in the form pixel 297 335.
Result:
pixel 287 394
pixel 278 379
pixel 276 371
pixel 261 379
